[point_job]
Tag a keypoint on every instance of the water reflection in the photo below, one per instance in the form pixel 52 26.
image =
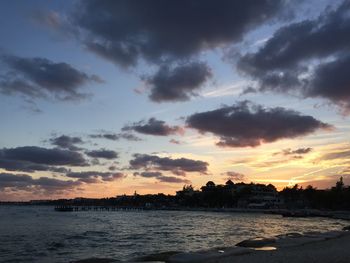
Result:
pixel 32 234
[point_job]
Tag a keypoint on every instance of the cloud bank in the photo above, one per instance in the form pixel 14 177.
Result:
pixel 179 83
pixel 42 78
pixel 102 153
pixel 178 166
pixel 24 182
pixel 245 124
pixel 153 127
pixel 308 58
pixel 66 142
pixel 129 32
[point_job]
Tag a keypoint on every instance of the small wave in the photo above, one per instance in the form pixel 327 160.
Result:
pixel 77 237
pixel 95 260
pixel 55 245
pixel 95 233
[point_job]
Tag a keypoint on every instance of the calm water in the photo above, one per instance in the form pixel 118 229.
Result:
pixel 39 234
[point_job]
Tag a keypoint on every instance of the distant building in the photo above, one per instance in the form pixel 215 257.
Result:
pixel 187 191
pixel 264 196
pixel 244 195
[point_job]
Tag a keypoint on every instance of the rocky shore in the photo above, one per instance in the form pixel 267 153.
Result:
pixel 328 247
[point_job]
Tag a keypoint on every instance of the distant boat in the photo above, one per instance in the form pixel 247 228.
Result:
pixel 64 209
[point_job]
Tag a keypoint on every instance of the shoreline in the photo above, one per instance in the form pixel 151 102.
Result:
pixel 285 212
pixel 327 247
pixel 305 212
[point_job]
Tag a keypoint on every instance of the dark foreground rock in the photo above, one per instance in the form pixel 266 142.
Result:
pixel 257 242
pixel 314 247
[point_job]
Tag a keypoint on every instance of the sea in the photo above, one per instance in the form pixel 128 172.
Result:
pixel 39 234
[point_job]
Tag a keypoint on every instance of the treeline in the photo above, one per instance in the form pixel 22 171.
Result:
pixel 228 195
pixel 239 195
pixel 336 198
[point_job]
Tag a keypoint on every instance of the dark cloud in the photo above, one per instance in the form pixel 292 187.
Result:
pixel 66 142
pixel 108 136
pixel 104 154
pixel 115 136
pixel 125 31
pixel 27 183
pixel 112 168
pixel 332 81
pixel 246 124
pixel 94 176
pixel 308 58
pixel 14 180
pixel 51 184
pixel 118 53
pixel 33 156
pixel 153 127
pixel 161 178
pixel 171 179
pixel 177 166
pixel 40 77
pixel 179 83
pixel 297 42
pixel 173 141
pixel 25 166
pixel 296 151
pixel 149 174
pixel 231 175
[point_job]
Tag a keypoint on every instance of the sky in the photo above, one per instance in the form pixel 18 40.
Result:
pixel 104 98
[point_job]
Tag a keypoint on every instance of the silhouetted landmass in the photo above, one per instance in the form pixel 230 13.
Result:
pixel 229 195
pixel 336 198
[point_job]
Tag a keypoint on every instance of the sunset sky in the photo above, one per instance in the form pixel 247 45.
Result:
pixel 103 98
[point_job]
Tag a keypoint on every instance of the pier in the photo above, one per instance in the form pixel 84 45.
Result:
pixel 69 208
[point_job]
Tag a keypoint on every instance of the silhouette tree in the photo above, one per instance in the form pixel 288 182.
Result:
pixel 339 184
pixel 229 183
pixel 210 184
